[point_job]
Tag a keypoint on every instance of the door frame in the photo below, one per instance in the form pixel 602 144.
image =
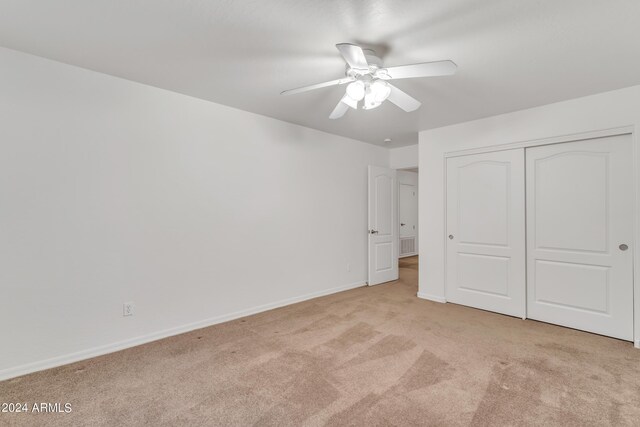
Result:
pixel 623 130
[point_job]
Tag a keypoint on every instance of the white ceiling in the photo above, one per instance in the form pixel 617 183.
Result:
pixel 511 54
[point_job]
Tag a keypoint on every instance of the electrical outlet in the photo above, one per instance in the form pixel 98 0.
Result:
pixel 127 309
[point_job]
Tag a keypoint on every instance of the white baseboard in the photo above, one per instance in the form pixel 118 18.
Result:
pixel 431 297
pixel 53 362
pixel 636 344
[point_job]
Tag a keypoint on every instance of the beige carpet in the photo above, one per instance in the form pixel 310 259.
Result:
pixel 369 356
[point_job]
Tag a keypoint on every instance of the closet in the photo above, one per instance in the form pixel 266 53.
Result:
pixel 545 233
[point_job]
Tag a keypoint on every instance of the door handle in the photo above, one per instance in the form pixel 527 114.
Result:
pixel 623 247
pixel 373 231
pixel 402 224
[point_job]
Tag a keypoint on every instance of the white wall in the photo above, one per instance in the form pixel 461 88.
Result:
pixel 114 191
pixel 404 157
pixel 608 110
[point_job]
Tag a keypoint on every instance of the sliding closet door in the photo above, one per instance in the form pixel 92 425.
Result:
pixel 579 235
pixel 485 231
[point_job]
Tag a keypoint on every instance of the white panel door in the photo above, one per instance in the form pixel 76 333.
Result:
pixel 383 230
pixel 579 233
pixel 486 229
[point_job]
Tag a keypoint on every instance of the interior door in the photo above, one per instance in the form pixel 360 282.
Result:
pixel 486 231
pixel 579 234
pixel 383 230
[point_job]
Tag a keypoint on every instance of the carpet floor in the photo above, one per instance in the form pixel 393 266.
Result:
pixel 369 356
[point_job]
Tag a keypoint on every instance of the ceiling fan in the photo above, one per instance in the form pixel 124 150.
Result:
pixel 368 80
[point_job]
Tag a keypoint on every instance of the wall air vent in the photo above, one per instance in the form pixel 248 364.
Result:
pixel 407 246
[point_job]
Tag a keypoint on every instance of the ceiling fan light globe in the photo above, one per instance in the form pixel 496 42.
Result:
pixel 380 91
pixel 356 90
pixel 371 106
pixel 370 101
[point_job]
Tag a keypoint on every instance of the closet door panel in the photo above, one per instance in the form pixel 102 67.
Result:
pixel 485 231
pixel 579 234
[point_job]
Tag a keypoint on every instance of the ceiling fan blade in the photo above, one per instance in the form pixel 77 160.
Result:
pixel 426 69
pixel 402 100
pixel 354 56
pixel 339 111
pixel 317 86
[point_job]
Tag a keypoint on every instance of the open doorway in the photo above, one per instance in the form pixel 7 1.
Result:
pixel 407 212
pixel 408 226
